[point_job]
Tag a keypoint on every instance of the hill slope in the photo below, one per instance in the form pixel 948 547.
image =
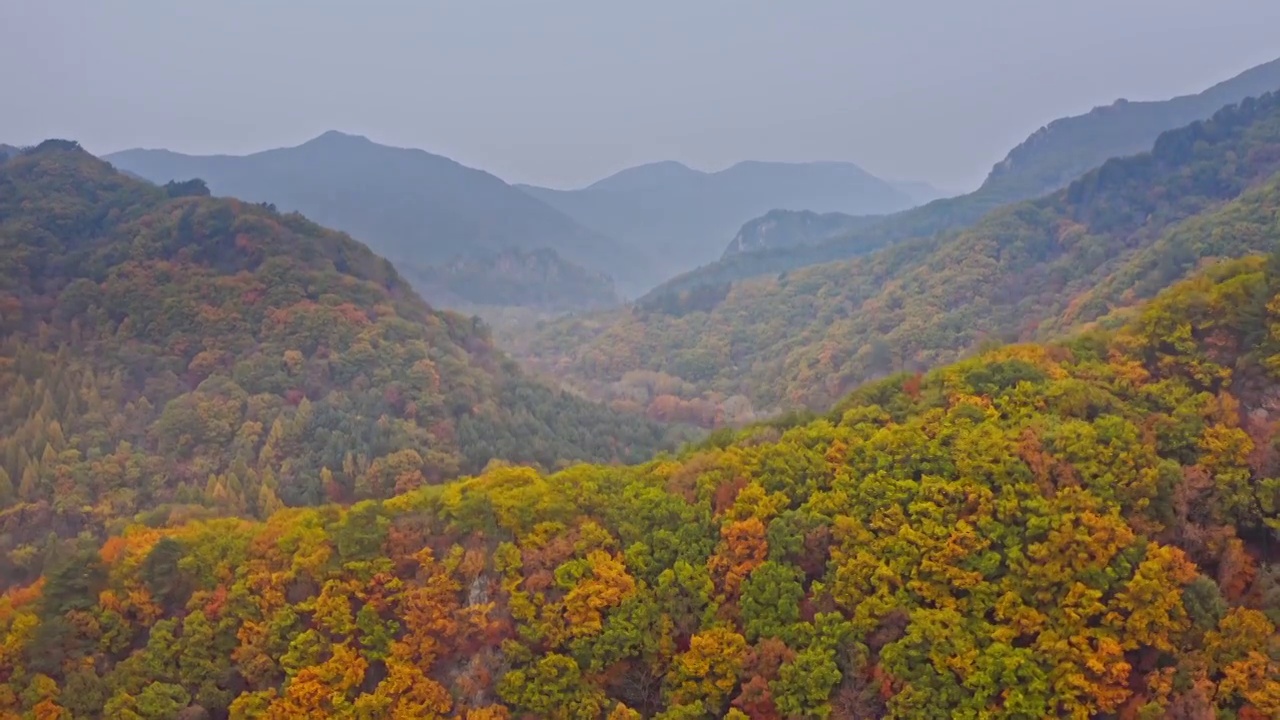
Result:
pixel 1079 530
pixel 805 338
pixel 1048 160
pixel 159 350
pixel 408 205
pixel 680 217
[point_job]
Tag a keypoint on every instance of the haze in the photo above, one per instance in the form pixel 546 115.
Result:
pixel 562 93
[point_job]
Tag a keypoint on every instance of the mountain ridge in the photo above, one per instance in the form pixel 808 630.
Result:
pixel 681 217
pixel 164 351
pixel 409 204
pixel 1022 180
pixel 1127 125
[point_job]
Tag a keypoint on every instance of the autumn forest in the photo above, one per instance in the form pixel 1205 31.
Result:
pixel 1012 454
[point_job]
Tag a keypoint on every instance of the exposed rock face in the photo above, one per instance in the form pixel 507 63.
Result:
pixel 789 228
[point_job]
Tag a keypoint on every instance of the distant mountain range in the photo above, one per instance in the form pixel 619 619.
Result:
pixel 681 216
pixel 1048 160
pixel 415 208
pixel 8 151
pixel 434 217
pixel 456 231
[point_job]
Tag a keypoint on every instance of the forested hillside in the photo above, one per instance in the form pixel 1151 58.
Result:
pixel 1119 234
pixel 1050 159
pixel 410 206
pixel 163 351
pixel 1085 529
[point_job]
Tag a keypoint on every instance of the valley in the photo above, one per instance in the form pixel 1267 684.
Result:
pixel 804 339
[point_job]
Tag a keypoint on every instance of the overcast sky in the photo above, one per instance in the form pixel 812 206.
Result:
pixel 563 92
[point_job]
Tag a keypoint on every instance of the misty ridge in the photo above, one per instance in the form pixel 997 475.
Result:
pixel 1049 159
pixel 683 215
pixel 469 240
pixel 664 383
pixel 434 217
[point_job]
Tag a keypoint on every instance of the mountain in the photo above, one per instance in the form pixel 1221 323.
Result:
pixel 680 217
pixel 919 192
pixel 1067 148
pixel 1085 529
pixel 781 229
pixel 7 151
pixel 165 351
pixel 512 278
pixel 409 205
pixel 784 228
pixel 1115 236
pixel 1048 160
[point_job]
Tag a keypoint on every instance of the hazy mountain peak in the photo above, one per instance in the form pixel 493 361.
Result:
pixel 680 216
pixel 414 207
pixel 663 166
pixel 333 137
pixel 827 164
pixel 647 175
pixel 821 171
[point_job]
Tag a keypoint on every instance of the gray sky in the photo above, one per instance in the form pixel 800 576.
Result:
pixel 561 92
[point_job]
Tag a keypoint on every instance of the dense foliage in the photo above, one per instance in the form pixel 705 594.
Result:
pixel 1080 530
pixel 1117 235
pixel 1050 159
pixel 159 347
pixel 411 207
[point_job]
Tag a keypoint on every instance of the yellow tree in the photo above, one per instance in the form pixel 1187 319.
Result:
pixel 608 585
pixel 708 670
pixel 742 548
pixel 1149 611
pixel 322 691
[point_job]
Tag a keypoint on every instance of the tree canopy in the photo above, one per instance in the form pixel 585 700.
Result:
pixel 166 352
pixel 1080 529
